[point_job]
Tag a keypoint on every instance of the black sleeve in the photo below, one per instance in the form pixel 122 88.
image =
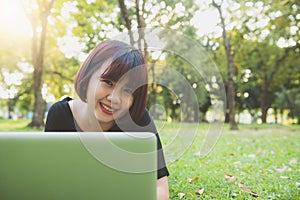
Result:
pixel 146 124
pixel 60 118
pixel 161 168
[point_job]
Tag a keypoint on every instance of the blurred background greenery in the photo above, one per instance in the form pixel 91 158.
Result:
pixel 44 42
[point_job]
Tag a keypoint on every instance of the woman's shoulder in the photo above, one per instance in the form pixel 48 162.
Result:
pixel 146 119
pixel 59 117
pixel 147 122
pixel 60 106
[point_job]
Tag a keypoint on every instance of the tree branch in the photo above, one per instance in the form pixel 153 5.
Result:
pixel 127 20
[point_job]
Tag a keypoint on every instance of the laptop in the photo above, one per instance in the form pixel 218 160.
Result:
pixel 78 166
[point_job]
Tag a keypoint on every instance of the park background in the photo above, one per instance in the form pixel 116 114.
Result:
pixel 254 44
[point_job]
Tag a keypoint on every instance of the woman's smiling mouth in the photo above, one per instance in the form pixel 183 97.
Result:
pixel 106 108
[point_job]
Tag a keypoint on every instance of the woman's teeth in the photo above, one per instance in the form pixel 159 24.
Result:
pixel 106 107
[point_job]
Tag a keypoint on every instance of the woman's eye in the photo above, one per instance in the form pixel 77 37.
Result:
pixel 128 91
pixel 107 82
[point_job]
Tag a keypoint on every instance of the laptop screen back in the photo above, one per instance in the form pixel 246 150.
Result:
pixel 77 166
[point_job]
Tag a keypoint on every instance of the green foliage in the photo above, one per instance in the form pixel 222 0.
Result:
pixel 60 74
pixel 265 56
pixel 255 30
pixel 289 99
pixel 92 26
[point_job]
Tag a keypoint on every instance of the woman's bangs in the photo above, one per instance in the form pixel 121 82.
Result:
pixel 137 77
pixel 127 67
pixel 116 69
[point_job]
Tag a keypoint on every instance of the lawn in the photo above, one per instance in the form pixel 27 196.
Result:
pixel 257 161
pixel 16 126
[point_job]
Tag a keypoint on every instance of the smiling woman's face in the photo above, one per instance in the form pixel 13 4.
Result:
pixel 108 100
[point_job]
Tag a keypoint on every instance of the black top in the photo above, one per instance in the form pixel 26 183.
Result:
pixel 60 119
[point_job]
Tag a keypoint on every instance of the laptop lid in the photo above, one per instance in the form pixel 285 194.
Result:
pixel 77 166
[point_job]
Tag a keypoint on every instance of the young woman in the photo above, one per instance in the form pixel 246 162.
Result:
pixel 112 87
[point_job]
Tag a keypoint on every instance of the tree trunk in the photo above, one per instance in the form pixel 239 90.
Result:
pixel 231 102
pixel 264 115
pixel 153 86
pixel 263 107
pixel 38 51
pixel 39 105
pixel 142 43
pixel 10 109
pixel 196 112
pixel 276 115
pixel 173 113
pixel 127 20
pixel 141 25
pixel 281 115
pixel 230 83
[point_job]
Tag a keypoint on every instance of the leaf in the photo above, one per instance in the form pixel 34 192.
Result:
pixel 251 155
pixel 283 169
pixel 272 152
pixel 293 161
pixel 246 189
pixel 192 179
pixel 254 194
pixel 259 150
pixel 284 177
pixel 181 195
pixel 229 177
pixel 198 154
pixel 237 163
pixel 233 195
pixel 199 192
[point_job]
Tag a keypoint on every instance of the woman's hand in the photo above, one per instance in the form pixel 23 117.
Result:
pixel 163 188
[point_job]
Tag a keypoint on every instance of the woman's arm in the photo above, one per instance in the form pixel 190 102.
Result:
pixel 163 188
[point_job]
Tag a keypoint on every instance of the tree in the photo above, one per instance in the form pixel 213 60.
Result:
pixel 269 49
pixel 289 99
pixel 263 41
pixel 125 16
pixel 229 58
pixel 39 20
pixel 176 15
pixel 132 16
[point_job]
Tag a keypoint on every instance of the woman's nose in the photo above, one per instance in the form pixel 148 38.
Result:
pixel 114 98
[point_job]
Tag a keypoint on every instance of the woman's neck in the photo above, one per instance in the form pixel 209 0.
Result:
pixel 85 118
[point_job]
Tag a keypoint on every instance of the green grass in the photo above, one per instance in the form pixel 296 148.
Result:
pixel 265 158
pixel 16 126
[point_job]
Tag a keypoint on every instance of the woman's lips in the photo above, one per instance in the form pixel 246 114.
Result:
pixel 106 108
